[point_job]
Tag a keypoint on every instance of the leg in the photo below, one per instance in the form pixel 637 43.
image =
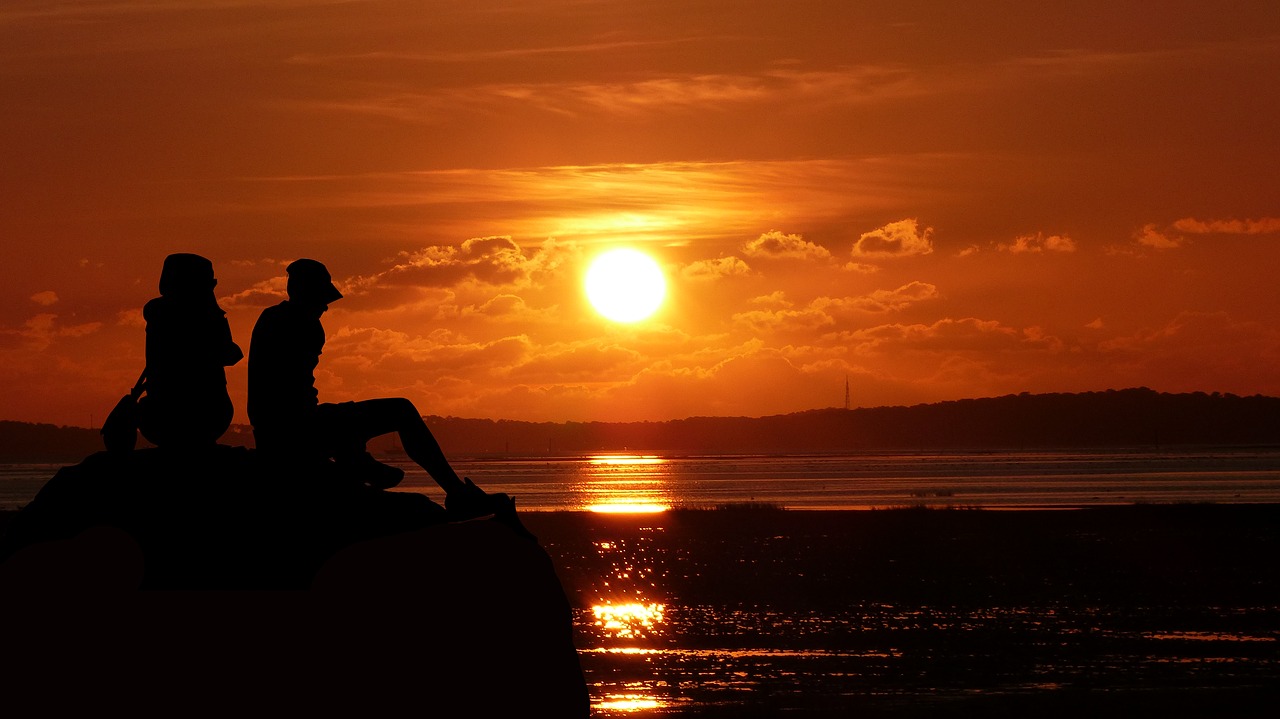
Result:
pixel 373 417
pixel 464 500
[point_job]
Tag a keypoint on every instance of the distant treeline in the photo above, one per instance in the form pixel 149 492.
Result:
pixel 37 443
pixel 1114 418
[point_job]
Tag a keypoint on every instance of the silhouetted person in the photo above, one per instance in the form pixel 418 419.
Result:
pixel 189 346
pixel 289 420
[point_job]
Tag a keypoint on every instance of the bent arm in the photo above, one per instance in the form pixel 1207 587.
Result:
pixel 231 352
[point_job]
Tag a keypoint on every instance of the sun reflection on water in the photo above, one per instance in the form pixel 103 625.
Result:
pixel 629 621
pixel 627 508
pixel 629 703
pixel 628 617
pixel 625 460
pixel 624 484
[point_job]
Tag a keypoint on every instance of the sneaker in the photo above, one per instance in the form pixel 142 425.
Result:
pixel 504 510
pixel 364 468
pixel 468 502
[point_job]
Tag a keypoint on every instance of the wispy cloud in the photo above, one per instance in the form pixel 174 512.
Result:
pixel 1037 243
pixel 1260 226
pixel 1155 238
pixel 484 55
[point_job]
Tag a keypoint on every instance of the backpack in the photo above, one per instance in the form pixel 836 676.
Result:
pixel 120 430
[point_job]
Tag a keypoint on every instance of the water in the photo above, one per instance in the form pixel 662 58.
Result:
pixel 761 613
pixel 1006 480
pixel 795 660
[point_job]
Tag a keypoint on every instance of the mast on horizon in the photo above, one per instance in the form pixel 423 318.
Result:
pixel 846 392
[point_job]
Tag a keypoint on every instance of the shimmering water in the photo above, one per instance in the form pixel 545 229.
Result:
pixel 650 647
pixel 979 479
pixel 975 479
pixel 699 656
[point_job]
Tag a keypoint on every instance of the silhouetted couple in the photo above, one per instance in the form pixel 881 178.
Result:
pixel 187 407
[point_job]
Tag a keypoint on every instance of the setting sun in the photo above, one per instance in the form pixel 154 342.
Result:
pixel 625 285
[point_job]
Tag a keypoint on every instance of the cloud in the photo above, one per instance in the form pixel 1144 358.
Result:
pixel 657 95
pixel 41 330
pixel 784 321
pixel 709 270
pixel 860 268
pixel 1039 243
pixel 776 245
pixel 1210 331
pixel 1196 351
pixel 262 294
pixel 896 239
pixel 948 335
pixel 131 317
pixel 779 316
pixel 46 298
pixel 504 308
pixel 491 260
pixel 576 362
pixel 1261 226
pixel 495 261
pixel 1150 236
pixel 775 300
pixel 399 354
pixel 883 300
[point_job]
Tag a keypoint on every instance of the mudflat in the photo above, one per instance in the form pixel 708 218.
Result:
pixel 1110 611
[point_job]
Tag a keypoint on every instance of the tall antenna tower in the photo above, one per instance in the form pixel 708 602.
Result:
pixel 846 393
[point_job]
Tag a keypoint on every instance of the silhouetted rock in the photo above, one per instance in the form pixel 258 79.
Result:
pixel 408 609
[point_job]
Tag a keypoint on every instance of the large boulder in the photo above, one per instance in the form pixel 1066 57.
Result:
pixel 406 609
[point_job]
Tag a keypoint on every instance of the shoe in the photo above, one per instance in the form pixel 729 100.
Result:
pixel 367 470
pixel 504 510
pixel 471 502
pixel 467 502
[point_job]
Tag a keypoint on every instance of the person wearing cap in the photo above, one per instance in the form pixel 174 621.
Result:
pixel 189 346
pixel 289 420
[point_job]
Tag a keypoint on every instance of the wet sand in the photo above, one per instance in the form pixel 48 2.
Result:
pixel 1158 609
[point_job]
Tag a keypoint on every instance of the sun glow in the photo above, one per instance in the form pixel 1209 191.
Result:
pixel 623 507
pixel 625 285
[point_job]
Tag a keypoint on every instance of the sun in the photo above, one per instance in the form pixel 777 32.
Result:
pixel 625 285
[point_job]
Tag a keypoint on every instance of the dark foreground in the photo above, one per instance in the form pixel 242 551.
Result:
pixel 412 608
pixel 1167 610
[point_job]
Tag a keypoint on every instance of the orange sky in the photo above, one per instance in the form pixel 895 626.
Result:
pixel 935 199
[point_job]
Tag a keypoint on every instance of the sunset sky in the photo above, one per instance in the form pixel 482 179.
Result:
pixel 938 200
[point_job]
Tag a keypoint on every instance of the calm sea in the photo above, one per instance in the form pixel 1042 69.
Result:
pixel 1003 480
pixel 997 480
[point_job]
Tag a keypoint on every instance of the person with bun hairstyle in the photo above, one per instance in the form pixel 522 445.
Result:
pixel 189 347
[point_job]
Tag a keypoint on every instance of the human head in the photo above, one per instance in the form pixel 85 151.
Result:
pixel 310 283
pixel 185 274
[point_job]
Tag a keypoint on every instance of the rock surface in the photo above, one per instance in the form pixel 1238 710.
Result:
pixel 407 609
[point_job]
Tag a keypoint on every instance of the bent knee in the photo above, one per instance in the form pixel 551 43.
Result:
pixel 402 409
